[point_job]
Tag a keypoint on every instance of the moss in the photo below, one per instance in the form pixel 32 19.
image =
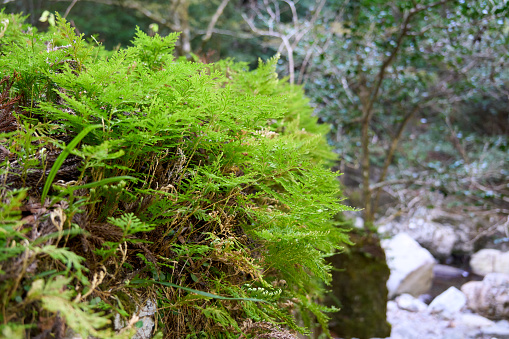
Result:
pixel 225 192
pixel 359 289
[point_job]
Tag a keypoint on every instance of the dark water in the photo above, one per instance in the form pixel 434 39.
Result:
pixel 446 276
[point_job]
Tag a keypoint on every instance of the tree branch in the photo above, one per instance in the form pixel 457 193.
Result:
pixel 136 6
pixel 382 184
pixel 403 32
pixel 392 149
pixel 69 8
pixel 214 19
pixel 240 35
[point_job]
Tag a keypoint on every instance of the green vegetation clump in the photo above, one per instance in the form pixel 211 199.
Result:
pixel 130 176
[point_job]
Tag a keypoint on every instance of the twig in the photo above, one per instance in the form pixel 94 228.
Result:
pixel 213 20
pixel 69 8
pixel 240 35
pixel 395 182
pixel 392 149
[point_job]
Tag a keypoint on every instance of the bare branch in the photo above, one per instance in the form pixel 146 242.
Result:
pixel 240 35
pixel 425 29
pixel 295 17
pixel 214 19
pixel 290 40
pixel 69 8
pixel 304 65
pixel 379 185
pixel 258 31
pixel 136 6
pixel 392 149
pixel 303 32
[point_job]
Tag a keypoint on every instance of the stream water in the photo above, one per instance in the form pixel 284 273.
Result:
pixel 445 276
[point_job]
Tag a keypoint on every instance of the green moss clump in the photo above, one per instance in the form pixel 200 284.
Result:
pixel 131 176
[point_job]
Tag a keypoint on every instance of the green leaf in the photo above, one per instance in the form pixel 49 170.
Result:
pixel 194 277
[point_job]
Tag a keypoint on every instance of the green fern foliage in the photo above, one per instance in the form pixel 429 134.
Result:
pixel 130 176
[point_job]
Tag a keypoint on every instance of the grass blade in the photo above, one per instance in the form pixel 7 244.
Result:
pixel 96 183
pixel 61 158
pixel 204 294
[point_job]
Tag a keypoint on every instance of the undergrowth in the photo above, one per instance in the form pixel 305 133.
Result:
pixel 130 177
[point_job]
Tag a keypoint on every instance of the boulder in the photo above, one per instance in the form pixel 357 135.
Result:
pixel 490 297
pixel 436 230
pixel 490 261
pixel 359 289
pixel 449 303
pixel 438 239
pixel 411 266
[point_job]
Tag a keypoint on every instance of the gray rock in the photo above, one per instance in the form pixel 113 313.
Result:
pixel 411 266
pixel 149 309
pixel 490 297
pixel 145 332
pixel 490 261
pixel 449 303
pixel 145 316
pixel 409 303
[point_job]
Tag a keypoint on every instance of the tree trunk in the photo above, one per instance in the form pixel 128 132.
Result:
pixel 366 190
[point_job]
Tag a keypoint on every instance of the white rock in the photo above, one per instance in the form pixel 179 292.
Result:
pixel 409 303
pixel 392 306
pixel 439 239
pixel 436 230
pixel 411 266
pixel 449 303
pixel 474 320
pixel 490 261
pixel 499 331
pixel 405 331
pixel 490 297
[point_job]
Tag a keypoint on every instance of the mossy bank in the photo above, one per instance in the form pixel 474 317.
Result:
pixel 129 176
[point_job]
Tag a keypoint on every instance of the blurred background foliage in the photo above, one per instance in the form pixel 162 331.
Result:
pixel 416 92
